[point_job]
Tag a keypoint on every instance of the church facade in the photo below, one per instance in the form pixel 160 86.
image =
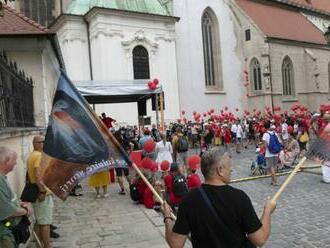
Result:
pixel 243 54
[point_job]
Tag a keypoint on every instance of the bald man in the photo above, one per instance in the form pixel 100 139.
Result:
pixel 10 208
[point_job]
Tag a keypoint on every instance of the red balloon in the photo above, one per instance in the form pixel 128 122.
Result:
pixel 183 112
pixel 164 165
pixel 290 129
pixel 156 81
pixel 204 114
pixel 194 113
pixel 154 167
pixel 194 162
pixel 152 86
pixel 149 146
pixel 146 163
pixel 212 111
pixel 237 109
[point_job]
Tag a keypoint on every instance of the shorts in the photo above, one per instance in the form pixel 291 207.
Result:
pixel 271 162
pixel 302 145
pixel 238 140
pixel 182 158
pixel 43 211
pixel 8 241
pixel 119 172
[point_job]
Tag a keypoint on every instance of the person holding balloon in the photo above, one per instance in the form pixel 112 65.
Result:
pixel 193 179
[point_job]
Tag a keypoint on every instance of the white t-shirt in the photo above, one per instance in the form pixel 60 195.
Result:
pixel 266 138
pixel 285 134
pixel 234 128
pixel 239 131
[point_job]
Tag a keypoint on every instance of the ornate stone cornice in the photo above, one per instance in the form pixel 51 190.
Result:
pixel 140 38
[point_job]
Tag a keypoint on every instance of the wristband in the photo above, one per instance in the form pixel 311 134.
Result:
pixel 167 218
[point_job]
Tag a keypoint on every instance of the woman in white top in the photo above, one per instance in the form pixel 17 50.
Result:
pixel 164 150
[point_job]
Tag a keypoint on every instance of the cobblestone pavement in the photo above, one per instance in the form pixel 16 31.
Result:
pixel 302 217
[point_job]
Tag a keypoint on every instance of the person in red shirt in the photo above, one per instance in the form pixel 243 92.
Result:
pixel 149 199
pixel 226 136
pixel 193 180
pixel 168 181
pixel 107 120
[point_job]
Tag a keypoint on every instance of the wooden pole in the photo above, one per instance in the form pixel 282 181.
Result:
pixel 287 181
pixel 161 99
pixel 37 239
pixel 244 179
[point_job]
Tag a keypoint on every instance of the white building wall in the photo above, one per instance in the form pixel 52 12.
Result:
pixel 72 36
pixel 191 62
pixel 36 57
pixel 113 37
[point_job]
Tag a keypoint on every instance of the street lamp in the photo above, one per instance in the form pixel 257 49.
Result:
pixel 327 35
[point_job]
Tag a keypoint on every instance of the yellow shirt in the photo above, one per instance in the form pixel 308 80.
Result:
pixel 33 162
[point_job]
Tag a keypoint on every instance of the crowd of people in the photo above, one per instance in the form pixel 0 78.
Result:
pixel 165 159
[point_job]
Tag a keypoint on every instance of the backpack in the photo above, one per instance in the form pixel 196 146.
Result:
pixel 134 193
pixel 274 145
pixel 180 187
pixel 182 144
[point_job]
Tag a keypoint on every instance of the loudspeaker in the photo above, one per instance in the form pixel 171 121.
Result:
pixel 142 108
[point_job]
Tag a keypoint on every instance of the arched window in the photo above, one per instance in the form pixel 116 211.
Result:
pixel 141 63
pixel 255 74
pixel 211 50
pixel 288 77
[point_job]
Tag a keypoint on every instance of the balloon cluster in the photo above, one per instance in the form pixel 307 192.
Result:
pixel 152 85
pixel 296 112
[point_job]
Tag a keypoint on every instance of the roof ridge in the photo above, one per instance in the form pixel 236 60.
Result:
pixel 304 6
pixel 26 19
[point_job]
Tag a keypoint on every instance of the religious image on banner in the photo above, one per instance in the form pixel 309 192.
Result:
pixel 77 144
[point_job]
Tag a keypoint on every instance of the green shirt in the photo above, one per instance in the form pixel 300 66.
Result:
pixel 8 204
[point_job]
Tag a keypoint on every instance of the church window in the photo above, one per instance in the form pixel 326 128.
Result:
pixel 255 74
pixel 141 63
pixel 247 34
pixel 211 51
pixel 288 77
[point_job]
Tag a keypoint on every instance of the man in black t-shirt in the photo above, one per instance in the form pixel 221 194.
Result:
pixel 233 223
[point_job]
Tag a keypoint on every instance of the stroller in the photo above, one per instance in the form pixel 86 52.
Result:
pixel 258 167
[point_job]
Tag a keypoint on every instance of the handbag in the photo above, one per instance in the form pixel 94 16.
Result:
pixel 30 192
pixel 228 233
pixel 21 231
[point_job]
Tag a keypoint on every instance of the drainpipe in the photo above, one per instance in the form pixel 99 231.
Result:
pixel 89 50
pixel 44 88
pixel 270 80
pixel 89 54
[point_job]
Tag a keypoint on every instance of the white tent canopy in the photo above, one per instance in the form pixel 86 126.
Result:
pixel 97 92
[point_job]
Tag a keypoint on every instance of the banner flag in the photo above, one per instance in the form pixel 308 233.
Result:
pixel 77 143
